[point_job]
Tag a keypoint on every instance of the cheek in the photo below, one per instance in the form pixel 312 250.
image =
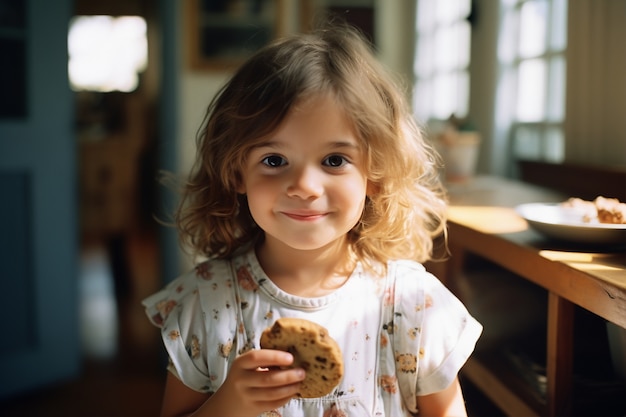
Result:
pixel 259 196
pixel 354 194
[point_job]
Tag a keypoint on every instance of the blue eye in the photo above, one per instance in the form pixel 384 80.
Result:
pixel 274 161
pixel 335 161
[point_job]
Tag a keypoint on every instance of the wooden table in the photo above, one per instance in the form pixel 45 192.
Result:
pixel 482 220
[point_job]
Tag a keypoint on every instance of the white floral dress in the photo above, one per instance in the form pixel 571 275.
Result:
pixel 400 336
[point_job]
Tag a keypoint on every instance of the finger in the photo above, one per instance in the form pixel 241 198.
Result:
pixel 276 378
pixel 264 358
pixel 274 394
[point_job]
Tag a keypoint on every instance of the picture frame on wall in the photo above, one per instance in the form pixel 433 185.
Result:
pixel 221 34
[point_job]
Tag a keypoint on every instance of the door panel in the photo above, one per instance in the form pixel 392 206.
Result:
pixel 38 215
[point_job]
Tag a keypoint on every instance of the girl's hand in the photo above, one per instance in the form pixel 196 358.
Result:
pixel 255 383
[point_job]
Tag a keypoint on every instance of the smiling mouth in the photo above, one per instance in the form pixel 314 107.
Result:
pixel 304 216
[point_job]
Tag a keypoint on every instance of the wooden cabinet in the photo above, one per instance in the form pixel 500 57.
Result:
pixel 571 281
pixel 110 166
pixel 108 192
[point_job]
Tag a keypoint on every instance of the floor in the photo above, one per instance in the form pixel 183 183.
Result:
pixel 123 366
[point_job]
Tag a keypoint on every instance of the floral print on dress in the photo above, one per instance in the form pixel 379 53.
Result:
pixel 164 308
pixel 194 348
pixel 232 301
pixel 413 333
pixel 388 383
pixel 406 362
pixel 272 413
pixel 333 411
pixel 389 297
pixel 428 301
pixel 245 280
pixel 225 348
pixel 384 340
pixel 203 270
pixel 389 327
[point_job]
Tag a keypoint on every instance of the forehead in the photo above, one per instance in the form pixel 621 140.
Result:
pixel 317 119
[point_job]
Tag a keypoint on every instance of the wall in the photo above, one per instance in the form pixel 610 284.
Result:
pixel 596 82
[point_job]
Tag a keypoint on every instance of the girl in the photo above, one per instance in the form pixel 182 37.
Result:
pixel 314 196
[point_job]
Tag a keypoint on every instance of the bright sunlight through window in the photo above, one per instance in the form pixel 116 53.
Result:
pixel 107 53
pixel 442 59
pixel 531 54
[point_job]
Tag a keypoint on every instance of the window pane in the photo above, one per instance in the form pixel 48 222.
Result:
pixel 462 97
pixel 556 92
pixel 464 31
pixel 421 100
pixel 558 34
pixel 508 36
pixel 446 48
pixel 452 46
pixel 531 90
pixel 107 53
pixel 464 7
pixel 451 10
pixel 451 95
pixel 425 15
pixel 554 148
pixel 441 59
pixel 533 25
pixel 505 108
pixel 527 143
pixel 444 96
pixel 424 56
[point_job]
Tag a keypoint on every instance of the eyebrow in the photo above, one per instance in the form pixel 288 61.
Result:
pixel 334 145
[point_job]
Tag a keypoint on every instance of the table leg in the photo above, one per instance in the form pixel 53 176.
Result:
pixel 560 355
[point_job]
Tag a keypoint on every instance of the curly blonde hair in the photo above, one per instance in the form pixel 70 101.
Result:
pixel 407 209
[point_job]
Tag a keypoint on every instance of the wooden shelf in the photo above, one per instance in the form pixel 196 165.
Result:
pixel 500 390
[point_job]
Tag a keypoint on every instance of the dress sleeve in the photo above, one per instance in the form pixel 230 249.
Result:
pixel 436 333
pixel 177 311
pixel 449 335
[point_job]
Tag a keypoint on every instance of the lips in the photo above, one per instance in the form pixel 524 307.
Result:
pixel 304 215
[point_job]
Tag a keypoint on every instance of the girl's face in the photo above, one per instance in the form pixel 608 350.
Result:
pixel 306 184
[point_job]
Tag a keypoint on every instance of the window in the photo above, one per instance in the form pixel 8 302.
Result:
pixel 442 59
pixel 530 105
pixel 107 53
pixel 520 78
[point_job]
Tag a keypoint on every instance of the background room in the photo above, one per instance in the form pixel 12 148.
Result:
pixel 530 90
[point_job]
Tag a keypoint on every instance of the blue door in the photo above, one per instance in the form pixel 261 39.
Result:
pixel 38 211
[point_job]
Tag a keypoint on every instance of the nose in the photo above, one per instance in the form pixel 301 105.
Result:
pixel 306 183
